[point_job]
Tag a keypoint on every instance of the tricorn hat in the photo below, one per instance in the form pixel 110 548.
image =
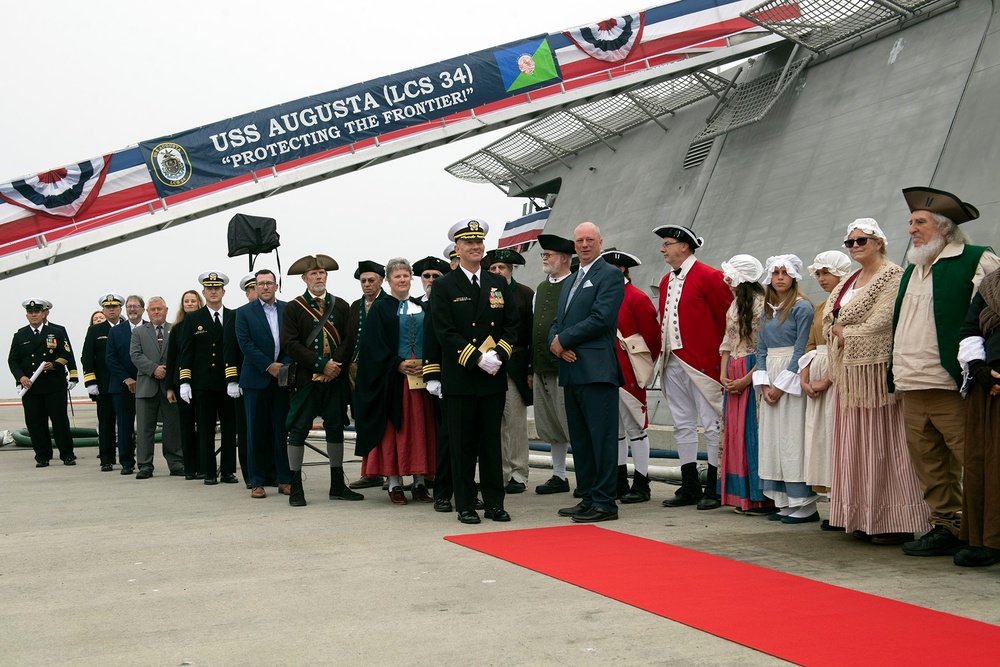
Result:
pixel 681 234
pixel 554 243
pixel 311 263
pixel 368 266
pixel 940 202
pixel 620 258
pixel 431 263
pixel 502 256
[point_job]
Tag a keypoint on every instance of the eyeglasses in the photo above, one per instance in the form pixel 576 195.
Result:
pixel 667 244
pixel 429 275
pixel 267 284
pixel 863 241
pixel 365 281
pixel 547 255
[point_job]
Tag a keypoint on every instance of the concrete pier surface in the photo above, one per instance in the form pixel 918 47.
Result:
pixel 102 569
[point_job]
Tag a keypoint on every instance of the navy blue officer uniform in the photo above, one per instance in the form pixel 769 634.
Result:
pixel 45 399
pixel 96 378
pixel 204 370
pixel 465 317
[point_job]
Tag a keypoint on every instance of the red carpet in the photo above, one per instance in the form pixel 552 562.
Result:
pixel 739 602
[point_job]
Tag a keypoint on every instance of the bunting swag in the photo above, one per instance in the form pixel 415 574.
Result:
pixel 610 40
pixel 63 193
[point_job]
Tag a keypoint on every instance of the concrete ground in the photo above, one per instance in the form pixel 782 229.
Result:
pixel 97 568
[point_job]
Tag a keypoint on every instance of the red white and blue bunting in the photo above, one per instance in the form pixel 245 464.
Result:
pixel 64 192
pixel 610 40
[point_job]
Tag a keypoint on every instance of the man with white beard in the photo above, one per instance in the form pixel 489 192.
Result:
pixel 944 273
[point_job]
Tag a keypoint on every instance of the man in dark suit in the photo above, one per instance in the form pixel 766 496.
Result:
pixel 321 388
pixel 583 337
pixel 258 334
pixel 475 321
pixel 121 384
pixel 204 377
pixel 148 349
pixel 97 375
pixel 43 399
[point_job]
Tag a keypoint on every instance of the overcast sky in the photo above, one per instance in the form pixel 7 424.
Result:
pixel 86 79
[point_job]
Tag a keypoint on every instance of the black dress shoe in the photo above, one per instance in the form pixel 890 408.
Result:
pixel 177 473
pixel 127 470
pixel 514 486
pixel 107 467
pixel 479 504
pixel 211 481
pixel 594 515
pixel 41 464
pixel 199 475
pixel 229 478
pixel 191 476
pixel 443 505
pixel 575 510
pixel 69 462
pixel 553 485
pixel 144 474
pixel 681 499
pixel 709 503
pixel 468 516
pixel 497 514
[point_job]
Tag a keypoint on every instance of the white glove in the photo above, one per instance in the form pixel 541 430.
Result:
pixel 72 383
pixel 93 390
pixel 233 389
pixel 186 392
pixel 434 388
pixel 489 362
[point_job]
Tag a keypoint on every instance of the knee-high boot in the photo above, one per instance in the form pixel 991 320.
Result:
pixel 297 496
pixel 710 500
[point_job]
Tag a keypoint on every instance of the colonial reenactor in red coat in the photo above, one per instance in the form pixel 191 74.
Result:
pixel 694 299
pixel 639 331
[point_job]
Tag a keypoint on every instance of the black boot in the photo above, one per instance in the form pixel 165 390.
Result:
pixel 640 490
pixel 690 491
pixel 622 482
pixel 710 500
pixel 297 496
pixel 339 489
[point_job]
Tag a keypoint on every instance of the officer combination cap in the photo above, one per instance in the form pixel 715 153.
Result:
pixel 248 281
pixel 468 228
pixel 213 279
pixel 554 243
pixel 46 304
pixel 33 305
pixel 620 258
pixel 431 264
pixel 368 266
pixel 681 234
pixel 940 202
pixel 502 256
pixel 309 263
pixel 110 300
pixel 451 251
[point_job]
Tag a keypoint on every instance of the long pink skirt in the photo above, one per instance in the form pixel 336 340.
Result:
pixel 874 487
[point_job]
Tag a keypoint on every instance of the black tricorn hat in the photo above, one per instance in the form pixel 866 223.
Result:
pixel 940 202
pixel 554 243
pixel 620 258
pixel 368 266
pixel 432 263
pixel 680 233
pixel 309 263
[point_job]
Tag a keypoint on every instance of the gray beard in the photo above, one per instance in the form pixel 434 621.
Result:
pixel 927 253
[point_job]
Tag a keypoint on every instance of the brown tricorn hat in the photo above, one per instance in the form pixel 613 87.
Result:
pixel 941 202
pixel 311 263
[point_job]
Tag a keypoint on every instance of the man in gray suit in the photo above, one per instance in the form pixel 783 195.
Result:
pixel 148 351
